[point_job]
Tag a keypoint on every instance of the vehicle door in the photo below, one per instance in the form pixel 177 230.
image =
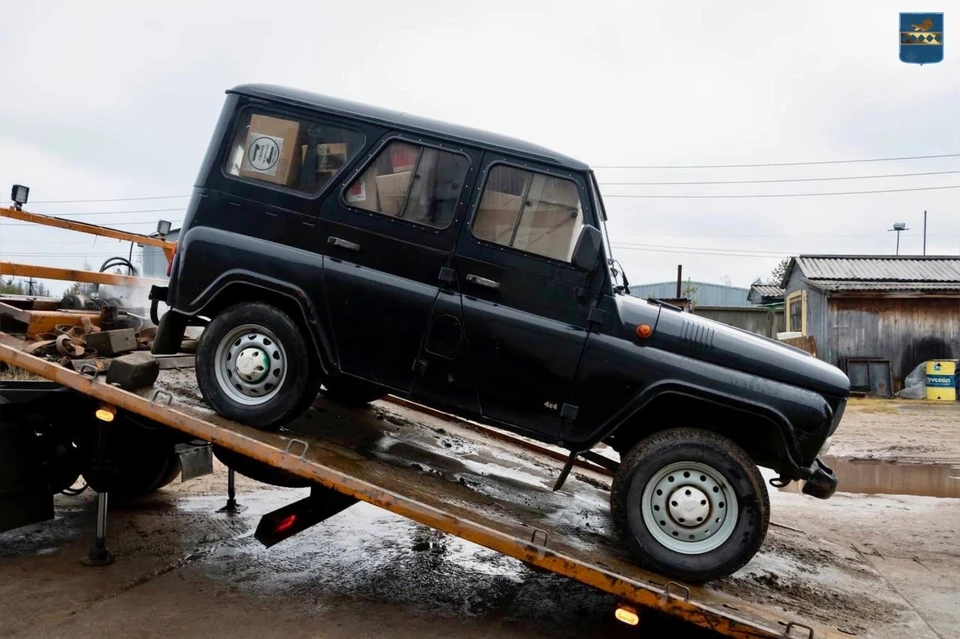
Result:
pixel 524 308
pixel 386 238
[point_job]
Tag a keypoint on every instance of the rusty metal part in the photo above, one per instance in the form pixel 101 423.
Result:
pixel 70 275
pixel 93 229
pixel 41 347
pixel 69 347
pixel 322 465
pixel 109 315
pixel 145 337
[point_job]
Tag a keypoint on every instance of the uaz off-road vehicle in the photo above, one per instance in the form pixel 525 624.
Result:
pixel 375 252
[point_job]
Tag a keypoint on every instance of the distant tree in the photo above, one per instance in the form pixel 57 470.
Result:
pixel 689 291
pixel 726 280
pixel 82 288
pixel 11 286
pixel 40 289
pixel 779 272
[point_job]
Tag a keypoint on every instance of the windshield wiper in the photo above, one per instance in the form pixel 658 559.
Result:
pixel 653 300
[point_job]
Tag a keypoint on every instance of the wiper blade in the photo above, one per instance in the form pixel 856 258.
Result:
pixel 653 300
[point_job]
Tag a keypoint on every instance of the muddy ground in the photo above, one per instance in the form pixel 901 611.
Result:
pixel 897 430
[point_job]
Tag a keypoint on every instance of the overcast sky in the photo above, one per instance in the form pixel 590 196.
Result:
pixel 118 100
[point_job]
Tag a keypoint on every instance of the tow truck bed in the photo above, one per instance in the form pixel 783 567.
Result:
pixel 443 473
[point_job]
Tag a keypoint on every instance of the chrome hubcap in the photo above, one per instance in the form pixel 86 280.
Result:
pixel 689 507
pixel 251 365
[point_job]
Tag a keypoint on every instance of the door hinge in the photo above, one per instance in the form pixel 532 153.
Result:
pixel 420 366
pixel 446 275
pixel 597 316
pixel 569 412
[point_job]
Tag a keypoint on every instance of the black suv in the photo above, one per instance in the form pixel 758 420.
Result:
pixel 376 252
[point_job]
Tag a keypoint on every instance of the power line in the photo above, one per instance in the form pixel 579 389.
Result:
pixel 116 199
pixel 769 195
pixel 744 166
pixel 781 181
pixel 690 252
pixel 695 248
pixel 789 236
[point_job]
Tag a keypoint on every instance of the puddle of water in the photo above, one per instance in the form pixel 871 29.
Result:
pixel 890 478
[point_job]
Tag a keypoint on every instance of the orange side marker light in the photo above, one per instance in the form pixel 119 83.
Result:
pixel 644 331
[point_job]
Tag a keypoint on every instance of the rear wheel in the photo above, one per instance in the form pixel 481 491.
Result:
pixel 253 366
pixel 352 392
pixel 690 504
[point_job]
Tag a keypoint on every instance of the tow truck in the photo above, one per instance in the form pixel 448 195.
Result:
pixel 346 455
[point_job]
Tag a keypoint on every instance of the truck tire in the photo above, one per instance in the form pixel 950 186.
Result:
pixel 132 477
pixel 352 392
pixel 170 474
pixel 253 366
pixel 690 504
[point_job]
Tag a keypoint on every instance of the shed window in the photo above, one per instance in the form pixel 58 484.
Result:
pixel 797 312
pixel 290 152
pixel 530 211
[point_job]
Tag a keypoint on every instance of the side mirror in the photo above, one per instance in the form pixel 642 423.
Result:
pixel 587 251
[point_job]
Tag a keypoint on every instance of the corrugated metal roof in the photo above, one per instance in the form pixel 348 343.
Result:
pixel 706 294
pixel 880 268
pixel 767 290
pixel 862 285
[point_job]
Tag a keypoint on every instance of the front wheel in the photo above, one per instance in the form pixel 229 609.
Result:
pixel 253 366
pixel 690 504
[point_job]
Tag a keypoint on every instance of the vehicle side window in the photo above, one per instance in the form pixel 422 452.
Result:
pixel 413 182
pixel 290 152
pixel 530 211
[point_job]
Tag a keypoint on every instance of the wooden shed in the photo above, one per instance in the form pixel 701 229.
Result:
pixel 876 316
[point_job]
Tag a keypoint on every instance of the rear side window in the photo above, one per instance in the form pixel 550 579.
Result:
pixel 413 182
pixel 530 211
pixel 290 152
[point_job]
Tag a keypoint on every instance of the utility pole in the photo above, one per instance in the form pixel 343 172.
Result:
pixel 899 227
pixel 924 232
pixel 30 286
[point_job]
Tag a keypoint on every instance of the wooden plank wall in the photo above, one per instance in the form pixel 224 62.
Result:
pixel 906 331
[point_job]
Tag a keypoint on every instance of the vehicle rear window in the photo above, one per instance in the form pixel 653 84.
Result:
pixel 412 182
pixel 530 211
pixel 290 152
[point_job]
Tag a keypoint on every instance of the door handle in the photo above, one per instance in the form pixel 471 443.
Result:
pixel 344 244
pixel 482 281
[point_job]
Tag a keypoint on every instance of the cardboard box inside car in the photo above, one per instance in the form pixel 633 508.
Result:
pixel 270 152
pixel 392 189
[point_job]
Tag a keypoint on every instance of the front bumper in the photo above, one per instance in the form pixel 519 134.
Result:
pixel 822 482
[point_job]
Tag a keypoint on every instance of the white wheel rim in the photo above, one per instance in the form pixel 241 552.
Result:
pixel 689 507
pixel 251 365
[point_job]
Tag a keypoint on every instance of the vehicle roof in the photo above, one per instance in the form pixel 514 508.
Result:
pixel 296 97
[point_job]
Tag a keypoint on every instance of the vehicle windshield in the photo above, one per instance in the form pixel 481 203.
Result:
pixel 613 266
